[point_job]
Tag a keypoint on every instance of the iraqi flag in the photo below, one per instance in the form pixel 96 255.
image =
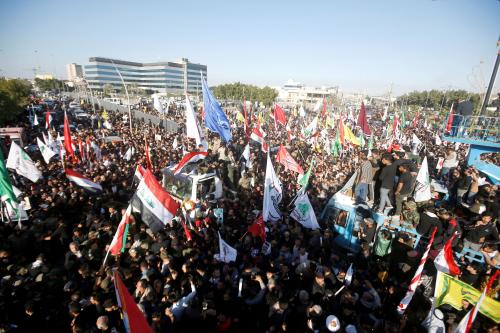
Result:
pixel 287 160
pixel 133 318
pixel 81 181
pixel 48 119
pixel 156 206
pixel 258 136
pixel 444 261
pixel 189 158
pixel 119 241
pixel 139 174
pixel 439 164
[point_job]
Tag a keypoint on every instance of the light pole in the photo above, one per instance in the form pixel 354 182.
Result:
pixel 126 92
pixel 86 85
pixel 492 82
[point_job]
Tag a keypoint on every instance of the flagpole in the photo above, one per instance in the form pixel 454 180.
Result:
pixel 126 92
pixel 105 258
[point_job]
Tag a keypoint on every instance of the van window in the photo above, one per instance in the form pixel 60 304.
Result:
pixel 179 186
pixel 205 187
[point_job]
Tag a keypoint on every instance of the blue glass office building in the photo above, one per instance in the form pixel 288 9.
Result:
pixel 170 76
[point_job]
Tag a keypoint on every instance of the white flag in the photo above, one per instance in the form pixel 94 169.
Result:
pixel 193 129
pixel 304 212
pixel 416 140
pixel 226 252
pixel 174 144
pixel 35 121
pixel 302 112
pixel 318 105
pixel 311 128
pixel 107 125
pixel 47 153
pixel 246 156
pixel 157 104
pixel 128 154
pixel 438 140
pixel 22 163
pixel 50 139
pixel 348 276
pixel 45 140
pixel 423 185
pixel 327 146
pixel 349 184
pixel 272 194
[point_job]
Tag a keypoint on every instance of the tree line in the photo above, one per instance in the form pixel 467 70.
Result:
pixel 237 91
pixel 438 99
pixel 14 96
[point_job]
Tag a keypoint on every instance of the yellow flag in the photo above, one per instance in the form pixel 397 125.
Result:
pixel 104 115
pixel 330 122
pixel 452 291
pixel 240 117
pixel 349 136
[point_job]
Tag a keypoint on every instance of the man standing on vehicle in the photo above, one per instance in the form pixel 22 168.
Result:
pixel 404 188
pixel 364 178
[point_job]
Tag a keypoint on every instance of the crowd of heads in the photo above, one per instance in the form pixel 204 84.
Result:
pixel 53 278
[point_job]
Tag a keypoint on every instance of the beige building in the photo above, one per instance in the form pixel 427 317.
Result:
pixel 295 93
pixel 74 72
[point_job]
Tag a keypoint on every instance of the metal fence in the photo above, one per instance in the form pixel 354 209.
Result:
pixel 473 127
pixel 169 125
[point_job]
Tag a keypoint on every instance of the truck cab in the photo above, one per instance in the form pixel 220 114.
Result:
pixel 184 186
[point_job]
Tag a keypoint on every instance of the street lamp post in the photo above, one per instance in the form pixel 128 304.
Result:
pixel 126 92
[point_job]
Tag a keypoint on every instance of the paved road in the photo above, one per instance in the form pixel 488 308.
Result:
pixel 169 125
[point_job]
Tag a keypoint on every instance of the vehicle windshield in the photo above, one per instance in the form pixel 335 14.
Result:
pixel 178 185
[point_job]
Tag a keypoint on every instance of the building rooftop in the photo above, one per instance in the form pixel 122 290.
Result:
pixel 141 64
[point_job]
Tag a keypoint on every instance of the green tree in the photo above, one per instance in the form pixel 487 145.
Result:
pixel 108 89
pixel 236 91
pixel 437 99
pixel 48 85
pixel 9 110
pixel 17 90
pixel 14 95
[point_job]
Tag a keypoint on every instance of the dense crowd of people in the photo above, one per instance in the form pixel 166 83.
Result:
pixel 52 273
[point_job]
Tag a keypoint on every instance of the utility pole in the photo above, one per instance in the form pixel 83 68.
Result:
pixel 492 81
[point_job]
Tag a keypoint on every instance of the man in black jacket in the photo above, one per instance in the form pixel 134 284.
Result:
pixel 480 232
pixel 386 177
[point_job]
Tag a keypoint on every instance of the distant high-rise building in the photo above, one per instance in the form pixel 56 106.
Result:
pixel 169 76
pixel 74 72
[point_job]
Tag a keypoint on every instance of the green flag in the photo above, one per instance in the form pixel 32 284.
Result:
pixel 370 143
pixel 336 146
pixel 361 140
pixel 304 179
pixel 403 119
pixel 6 191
